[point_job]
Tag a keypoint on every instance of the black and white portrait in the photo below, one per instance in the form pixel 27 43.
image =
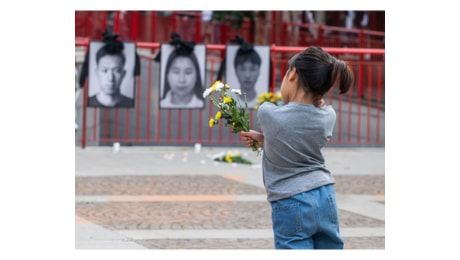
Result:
pixel 182 76
pixel 248 70
pixel 111 75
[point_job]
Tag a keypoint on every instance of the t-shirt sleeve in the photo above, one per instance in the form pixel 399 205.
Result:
pixel 330 122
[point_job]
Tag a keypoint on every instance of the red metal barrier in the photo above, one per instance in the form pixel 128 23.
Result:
pixel 360 113
pixel 142 26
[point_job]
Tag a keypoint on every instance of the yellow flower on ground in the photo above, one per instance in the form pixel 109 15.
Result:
pixel 231 157
pixel 228 158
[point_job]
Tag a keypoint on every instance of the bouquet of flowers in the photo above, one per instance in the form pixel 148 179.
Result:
pixel 269 97
pixel 231 157
pixel 230 112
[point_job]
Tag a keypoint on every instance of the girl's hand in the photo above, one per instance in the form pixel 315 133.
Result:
pixel 249 137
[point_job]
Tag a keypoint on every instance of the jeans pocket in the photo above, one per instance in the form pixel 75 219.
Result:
pixel 287 219
pixel 333 211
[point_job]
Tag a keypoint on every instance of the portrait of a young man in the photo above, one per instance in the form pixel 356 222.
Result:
pixel 111 75
pixel 248 70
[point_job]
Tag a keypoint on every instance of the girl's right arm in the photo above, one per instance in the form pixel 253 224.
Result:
pixel 249 137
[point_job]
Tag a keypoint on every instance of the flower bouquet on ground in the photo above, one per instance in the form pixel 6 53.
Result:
pixel 230 112
pixel 269 97
pixel 231 157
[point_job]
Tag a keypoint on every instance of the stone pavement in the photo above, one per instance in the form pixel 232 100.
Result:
pixel 174 198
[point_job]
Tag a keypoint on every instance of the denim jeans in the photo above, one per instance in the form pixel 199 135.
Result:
pixel 307 220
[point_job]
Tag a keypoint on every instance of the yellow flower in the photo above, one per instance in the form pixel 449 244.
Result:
pixel 213 87
pixel 227 99
pixel 228 158
pixel 211 122
pixel 218 115
pixel 269 97
pixel 227 86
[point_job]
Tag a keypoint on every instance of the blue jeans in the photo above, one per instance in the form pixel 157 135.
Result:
pixel 307 220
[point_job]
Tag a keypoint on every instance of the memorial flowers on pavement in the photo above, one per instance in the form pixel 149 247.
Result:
pixel 230 111
pixel 231 157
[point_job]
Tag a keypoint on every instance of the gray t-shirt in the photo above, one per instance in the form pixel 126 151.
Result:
pixel 294 135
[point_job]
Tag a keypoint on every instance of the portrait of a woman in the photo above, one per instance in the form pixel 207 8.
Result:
pixel 182 77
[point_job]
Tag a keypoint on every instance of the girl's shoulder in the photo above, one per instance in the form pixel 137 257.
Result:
pixel 266 107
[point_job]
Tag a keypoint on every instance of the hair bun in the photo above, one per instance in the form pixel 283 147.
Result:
pixel 182 47
pixel 112 45
pixel 245 47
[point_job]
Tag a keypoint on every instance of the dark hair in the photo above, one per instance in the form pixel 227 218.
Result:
pixel 318 71
pixel 103 51
pixel 247 55
pixel 198 88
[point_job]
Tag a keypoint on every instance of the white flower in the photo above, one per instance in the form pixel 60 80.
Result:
pixel 207 92
pixel 237 91
pixel 219 86
pixel 217 155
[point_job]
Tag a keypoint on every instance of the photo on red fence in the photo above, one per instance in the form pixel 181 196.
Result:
pixel 111 74
pixel 182 73
pixel 248 68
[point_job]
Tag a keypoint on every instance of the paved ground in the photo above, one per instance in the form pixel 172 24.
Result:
pixel 174 198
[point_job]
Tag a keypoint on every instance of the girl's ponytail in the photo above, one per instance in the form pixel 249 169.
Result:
pixel 342 72
pixel 318 71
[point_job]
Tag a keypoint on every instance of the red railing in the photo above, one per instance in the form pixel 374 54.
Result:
pixel 143 26
pixel 360 113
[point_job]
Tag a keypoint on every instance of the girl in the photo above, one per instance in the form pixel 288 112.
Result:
pixel 298 184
